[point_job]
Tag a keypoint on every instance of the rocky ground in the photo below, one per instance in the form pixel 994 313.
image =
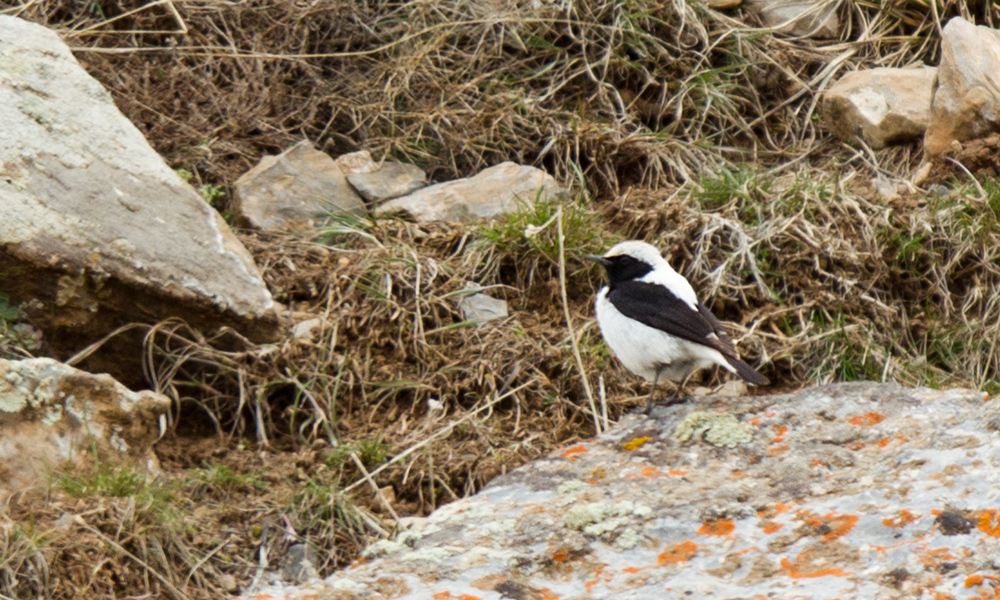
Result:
pixel 825 180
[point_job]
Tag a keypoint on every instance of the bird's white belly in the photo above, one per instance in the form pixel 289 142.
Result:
pixel 645 350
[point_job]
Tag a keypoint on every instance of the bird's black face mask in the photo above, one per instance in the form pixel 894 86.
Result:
pixel 622 268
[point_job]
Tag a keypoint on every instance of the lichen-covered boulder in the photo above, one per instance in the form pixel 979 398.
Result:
pixel 55 417
pixel 96 230
pixel 857 490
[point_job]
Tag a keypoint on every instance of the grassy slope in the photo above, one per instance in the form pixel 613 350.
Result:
pixel 679 125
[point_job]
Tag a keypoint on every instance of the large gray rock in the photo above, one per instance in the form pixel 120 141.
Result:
pixel 843 491
pixel 885 106
pixel 499 189
pixel 967 101
pixel 54 417
pixel 811 18
pixel 380 181
pixel 96 230
pixel 300 184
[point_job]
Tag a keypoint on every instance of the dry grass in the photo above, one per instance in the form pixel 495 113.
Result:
pixel 687 127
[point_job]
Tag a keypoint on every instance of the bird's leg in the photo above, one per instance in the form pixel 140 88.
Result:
pixel 649 402
pixel 680 397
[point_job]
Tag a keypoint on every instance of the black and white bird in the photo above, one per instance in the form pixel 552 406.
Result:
pixel 652 320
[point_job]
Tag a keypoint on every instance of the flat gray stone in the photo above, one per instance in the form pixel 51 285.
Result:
pixel 300 184
pixel 858 490
pixel 97 230
pixel 482 308
pixel 494 191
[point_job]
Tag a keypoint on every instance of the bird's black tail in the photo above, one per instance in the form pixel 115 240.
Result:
pixel 747 372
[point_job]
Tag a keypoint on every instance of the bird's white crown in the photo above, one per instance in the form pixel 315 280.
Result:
pixel 647 253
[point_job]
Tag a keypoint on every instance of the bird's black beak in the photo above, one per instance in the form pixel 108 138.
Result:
pixel 598 259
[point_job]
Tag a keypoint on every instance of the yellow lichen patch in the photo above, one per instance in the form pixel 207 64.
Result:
pixel 718 527
pixel 680 553
pixel 636 443
pixel 867 419
pixel 903 518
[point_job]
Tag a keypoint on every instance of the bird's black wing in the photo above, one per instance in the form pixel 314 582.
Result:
pixel 656 306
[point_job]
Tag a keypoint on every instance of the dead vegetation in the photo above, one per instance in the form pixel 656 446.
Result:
pixel 681 125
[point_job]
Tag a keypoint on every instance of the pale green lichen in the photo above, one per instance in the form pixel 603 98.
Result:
pixel 382 548
pixel 718 429
pixel 628 539
pixel 598 518
pixel 434 555
pixel 501 527
pixel 571 486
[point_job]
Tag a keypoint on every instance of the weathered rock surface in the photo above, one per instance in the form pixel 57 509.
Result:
pixel 300 184
pixel 967 101
pixel 96 230
pixel 812 18
pixel 843 491
pixel 53 416
pixel 492 192
pixel 885 106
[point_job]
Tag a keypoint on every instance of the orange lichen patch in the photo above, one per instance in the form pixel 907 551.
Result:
pixel 677 472
pixel 778 449
pixel 978 579
pixel 442 596
pixel 867 419
pixel 772 511
pixel 831 525
pixel 770 527
pixel 571 453
pixel 856 446
pixel 632 570
pixel 935 556
pixel 680 553
pixel 649 472
pixel 718 527
pixel 468 597
pixel 819 463
pixel 903 518
pixel 654 472
pixel 988 522
pixel 804 568
pixel 560 555
pixel 781 431
pixel 636 443
pixel 548 594
pixel 590 585
pixel 755 421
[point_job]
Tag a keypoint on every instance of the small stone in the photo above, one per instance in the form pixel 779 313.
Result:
pixel 967 99
pixel 482 308
pixel 228 583
pixel 307 330
pixel 883 106
pixel 886 189
pixel 356 162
